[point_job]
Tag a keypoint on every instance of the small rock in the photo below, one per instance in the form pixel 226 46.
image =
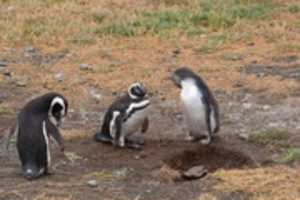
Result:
pixel 247 97
pixel 21 83
pixel 123 172
pixel 59 77
pixel 3 63
pixel 30 49
pixel 92 183
pixel 195 172
pixel 244 136
pixel 237 83
pixel 84 66
pixel 95 95
pixel 140 156
pixel 247 105
pixel 266 107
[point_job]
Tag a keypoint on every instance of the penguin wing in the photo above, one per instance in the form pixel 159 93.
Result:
pixel 54 132
pixel 208 111
pixel 145 125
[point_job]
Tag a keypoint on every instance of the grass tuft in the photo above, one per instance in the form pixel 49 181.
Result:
pixel 269 136
pixel 294 8
pixel 290 155
pixel 214 15
pixel 4 110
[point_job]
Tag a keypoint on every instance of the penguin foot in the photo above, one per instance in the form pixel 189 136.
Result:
pixel 102 137
pixel 206 140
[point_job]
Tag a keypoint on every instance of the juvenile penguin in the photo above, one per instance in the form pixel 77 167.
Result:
pixel 124 117
pixel 37 120
pixel 201 109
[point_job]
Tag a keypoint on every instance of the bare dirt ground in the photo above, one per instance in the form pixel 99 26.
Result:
pixel 254 75
pixel 130 174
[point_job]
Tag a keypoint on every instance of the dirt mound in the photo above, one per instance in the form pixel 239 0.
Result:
pixel 211 157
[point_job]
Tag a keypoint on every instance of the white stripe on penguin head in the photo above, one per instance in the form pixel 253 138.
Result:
pixel 132 86
pixel 60 101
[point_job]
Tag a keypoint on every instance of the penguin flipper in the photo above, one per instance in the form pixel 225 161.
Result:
pixel 145 125
pixel 54 132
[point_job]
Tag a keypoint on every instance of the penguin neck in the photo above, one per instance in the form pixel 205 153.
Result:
pixel 189 90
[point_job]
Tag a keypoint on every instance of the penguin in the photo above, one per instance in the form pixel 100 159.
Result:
pixel 125 116
pixel 39 119
pixel 201 109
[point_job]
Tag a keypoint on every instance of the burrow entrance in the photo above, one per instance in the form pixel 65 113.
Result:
pixel 210 157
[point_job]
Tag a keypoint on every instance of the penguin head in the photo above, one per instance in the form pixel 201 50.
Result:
pixel 137 91
pixel 58 109
pixel 182 74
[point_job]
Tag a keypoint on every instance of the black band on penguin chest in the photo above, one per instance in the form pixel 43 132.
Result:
pixel 134 110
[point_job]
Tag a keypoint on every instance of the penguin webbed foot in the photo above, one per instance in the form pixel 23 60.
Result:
pixel 202 139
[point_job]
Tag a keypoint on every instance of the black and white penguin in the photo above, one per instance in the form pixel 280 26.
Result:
pixel 37 120
pixel 201 109
pixel 124 117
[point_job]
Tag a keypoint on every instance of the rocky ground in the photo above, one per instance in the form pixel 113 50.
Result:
pixel 90 170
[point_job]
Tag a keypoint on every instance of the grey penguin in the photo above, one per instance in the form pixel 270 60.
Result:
pixel 201 109
pixel 39 119
pixel 125 116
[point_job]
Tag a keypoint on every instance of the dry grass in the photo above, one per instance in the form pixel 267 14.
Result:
pixel 96 32
pixel 271 183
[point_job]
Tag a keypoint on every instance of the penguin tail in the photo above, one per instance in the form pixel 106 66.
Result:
pixel 31 172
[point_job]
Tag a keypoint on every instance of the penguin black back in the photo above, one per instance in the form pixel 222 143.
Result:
pixel 36 121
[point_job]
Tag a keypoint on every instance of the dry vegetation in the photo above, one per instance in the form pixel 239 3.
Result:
pixel 126 39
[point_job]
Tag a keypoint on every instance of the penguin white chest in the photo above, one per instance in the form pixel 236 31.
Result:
pixel 134 122
pixel 194 108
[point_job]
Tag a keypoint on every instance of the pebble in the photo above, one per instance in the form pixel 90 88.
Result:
pixel 84 66
pixel 59 77
pixel 92 183
pixel 21 83
pixel 247 105
pixel 266 107
pixel 244 136
pixel 3 63
pixel 195 172
pixel 237 83
pixel 30 49
pixel 95 95
pixel 123 172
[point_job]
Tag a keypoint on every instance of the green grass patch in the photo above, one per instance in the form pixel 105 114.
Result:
pixel 295 8
pixel 212 14
pixel 4 110
pixel 290 155
pixel 273 135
